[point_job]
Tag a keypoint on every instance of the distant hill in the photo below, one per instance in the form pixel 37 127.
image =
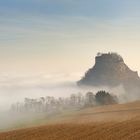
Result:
pixel 110 70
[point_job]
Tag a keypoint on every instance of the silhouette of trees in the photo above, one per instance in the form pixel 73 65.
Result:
pixel 104 98
pixel 90 99
pixel 50 104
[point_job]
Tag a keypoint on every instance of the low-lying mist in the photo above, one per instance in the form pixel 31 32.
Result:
pixel 14 90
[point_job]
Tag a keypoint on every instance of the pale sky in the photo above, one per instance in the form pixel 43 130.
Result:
pixel 63 36
pixel 47 45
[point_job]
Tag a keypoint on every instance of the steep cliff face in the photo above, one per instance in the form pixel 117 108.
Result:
pixel 110 70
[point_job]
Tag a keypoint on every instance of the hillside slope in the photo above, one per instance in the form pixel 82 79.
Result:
pixel 112 122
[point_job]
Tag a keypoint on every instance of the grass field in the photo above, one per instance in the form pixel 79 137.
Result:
pixel 112 122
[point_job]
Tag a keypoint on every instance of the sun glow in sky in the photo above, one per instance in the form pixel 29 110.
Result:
pixel 63 36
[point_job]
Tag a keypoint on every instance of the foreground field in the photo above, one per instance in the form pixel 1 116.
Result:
pixel 117 122
pixel 127 130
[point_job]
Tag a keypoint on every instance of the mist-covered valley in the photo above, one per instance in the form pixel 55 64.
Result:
pixel 14 91
pixel 16 88
pixel 25 99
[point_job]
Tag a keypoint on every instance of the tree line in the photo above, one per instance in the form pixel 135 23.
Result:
pixel 51 104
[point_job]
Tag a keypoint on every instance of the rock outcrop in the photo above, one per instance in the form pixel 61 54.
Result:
pixel 111 71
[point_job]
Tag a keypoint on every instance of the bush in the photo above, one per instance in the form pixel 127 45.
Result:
pixel 104 98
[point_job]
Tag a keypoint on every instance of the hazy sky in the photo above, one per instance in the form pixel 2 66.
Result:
pixel 63 36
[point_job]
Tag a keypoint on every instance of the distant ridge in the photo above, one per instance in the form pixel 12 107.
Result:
pixel 111 71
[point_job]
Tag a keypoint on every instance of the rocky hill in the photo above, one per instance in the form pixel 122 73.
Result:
pixel 111 71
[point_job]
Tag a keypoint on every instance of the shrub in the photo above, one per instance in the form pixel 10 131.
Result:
pixel 104 98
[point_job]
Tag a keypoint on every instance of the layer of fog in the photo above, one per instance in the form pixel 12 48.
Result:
pixel 15 88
